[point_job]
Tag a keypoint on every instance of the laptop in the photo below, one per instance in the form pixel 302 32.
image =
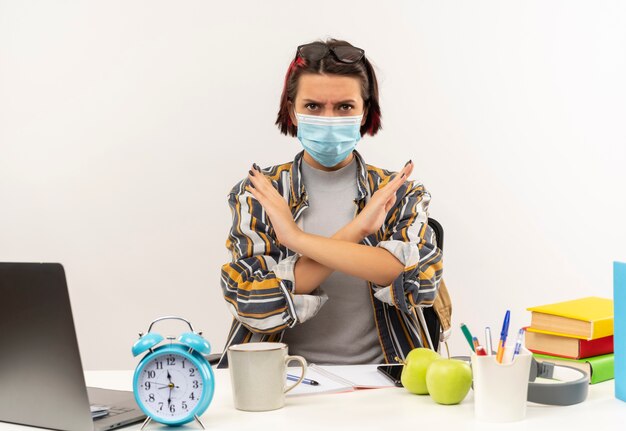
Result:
pixel 43 384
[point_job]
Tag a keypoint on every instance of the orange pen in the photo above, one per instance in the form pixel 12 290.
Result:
pixel 503 335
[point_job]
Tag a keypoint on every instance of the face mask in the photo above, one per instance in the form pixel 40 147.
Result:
pixel 329 140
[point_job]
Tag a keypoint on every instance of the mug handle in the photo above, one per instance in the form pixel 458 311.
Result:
pixel 302 364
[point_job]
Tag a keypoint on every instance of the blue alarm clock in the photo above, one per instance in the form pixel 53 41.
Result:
pixel 173 383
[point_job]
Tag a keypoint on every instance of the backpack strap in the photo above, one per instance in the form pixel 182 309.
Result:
pixel 436 319
pixel 443 309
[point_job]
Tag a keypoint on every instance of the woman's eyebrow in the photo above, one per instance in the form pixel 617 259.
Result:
pixel 340 102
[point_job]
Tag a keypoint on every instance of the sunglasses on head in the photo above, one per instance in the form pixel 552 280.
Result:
pixel 317 50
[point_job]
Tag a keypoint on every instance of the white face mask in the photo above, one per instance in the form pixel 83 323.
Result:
pixel 329 140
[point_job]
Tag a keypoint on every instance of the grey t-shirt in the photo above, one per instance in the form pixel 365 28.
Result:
pixel 344 330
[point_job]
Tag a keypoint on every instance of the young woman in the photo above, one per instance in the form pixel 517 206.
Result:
pixel 329 254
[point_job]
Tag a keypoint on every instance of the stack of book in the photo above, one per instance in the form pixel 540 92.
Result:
pixel 577 333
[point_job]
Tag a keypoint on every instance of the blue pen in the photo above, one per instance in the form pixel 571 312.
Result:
pixel 518 344
pixel 305 381
pixel 503 335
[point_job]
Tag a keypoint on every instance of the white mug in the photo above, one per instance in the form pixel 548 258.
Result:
pixel 258 374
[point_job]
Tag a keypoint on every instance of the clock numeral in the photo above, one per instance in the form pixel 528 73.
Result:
pixel 151 374
pixel 161 406
pixel 171 361
pixel 151 398
pixel 147 386
pixel 195 384
pixel 192 396
pixel 159 365
pixel 183 364
pixel 192 372
pixel 172 408
pixel 184 405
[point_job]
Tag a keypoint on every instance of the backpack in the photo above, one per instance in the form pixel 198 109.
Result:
pixel 439 316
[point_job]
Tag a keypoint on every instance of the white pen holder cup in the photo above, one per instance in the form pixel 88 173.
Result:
pixel 501 389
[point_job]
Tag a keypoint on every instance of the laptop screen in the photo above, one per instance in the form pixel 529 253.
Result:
pixel 40 366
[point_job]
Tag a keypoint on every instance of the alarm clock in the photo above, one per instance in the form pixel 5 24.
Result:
pixel 173 383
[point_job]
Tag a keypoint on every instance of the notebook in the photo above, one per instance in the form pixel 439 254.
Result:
pixel 600 368
pixel 339 378
pixel 575 348
pixel 587 318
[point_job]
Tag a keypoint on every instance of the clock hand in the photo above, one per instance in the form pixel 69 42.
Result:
pixel 169 397
pixel 170 386
pixel 165 385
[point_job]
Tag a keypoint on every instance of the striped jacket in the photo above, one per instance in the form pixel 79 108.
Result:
pixel 258 282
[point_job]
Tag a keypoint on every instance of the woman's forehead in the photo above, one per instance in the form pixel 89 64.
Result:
pixel 329 88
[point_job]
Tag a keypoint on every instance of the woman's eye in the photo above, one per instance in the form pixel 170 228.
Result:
pixel 347 107
pixel 311 106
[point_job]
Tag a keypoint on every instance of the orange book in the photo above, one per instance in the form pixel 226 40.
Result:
pixel 586 318
pixel 567 347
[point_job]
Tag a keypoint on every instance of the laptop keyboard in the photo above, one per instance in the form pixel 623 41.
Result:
pixel 114 411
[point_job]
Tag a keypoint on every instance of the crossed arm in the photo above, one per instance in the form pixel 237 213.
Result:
pixel 341 252
pixel 320 256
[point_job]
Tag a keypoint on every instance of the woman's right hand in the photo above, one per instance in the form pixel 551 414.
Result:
pixel 373 215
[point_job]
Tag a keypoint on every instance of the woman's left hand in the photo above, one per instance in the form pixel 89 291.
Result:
pixel 275 206
pixel 373 215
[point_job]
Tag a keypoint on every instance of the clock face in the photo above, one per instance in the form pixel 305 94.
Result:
pixel 170 386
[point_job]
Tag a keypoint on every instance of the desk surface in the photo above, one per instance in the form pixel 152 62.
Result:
pixel 380 409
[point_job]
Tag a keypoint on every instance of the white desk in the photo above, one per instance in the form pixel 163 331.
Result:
pixel 380 409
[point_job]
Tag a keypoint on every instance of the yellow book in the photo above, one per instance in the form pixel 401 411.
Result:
pixel 587 318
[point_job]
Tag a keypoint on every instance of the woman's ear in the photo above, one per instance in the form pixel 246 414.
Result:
pixel 364 116
pixel 292 114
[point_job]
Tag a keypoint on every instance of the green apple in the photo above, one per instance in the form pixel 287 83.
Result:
pixel 413 375
pixel 448 380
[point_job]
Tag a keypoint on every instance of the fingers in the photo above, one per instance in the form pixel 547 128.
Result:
pixel 407 169
pixel 261 187
pixel 399 178
pixel 257 179
pixel 389 191
pixel 258 195
pixel 254 191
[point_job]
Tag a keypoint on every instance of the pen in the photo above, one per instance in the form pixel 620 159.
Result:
pixel 475 343
pixel 503 335
pixel 305 381
pixel 480 351
pixel 468 335
pixel 489 346
pixel 518 344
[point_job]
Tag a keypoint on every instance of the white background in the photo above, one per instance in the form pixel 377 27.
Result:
pixel 123 125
